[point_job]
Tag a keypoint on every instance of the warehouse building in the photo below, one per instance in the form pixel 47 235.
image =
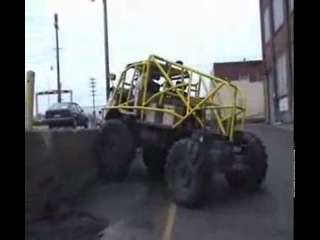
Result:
pixel 249 77
pixel 278 58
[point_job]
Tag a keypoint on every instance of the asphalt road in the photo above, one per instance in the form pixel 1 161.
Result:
pixel 140 208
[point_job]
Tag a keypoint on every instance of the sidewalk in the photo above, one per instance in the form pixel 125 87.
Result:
pixel 286 126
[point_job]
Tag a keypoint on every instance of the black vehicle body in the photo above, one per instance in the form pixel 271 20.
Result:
pixel 66 114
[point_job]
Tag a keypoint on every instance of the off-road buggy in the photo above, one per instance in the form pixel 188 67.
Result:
pixel 188 124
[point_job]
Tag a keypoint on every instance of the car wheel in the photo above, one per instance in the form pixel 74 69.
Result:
pixel 86 124
pixel 74 123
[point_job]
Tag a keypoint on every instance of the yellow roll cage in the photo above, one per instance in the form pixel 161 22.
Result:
pixel 194 81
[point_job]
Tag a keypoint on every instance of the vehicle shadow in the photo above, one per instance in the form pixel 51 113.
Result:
pixel 222 196
pixel 219 195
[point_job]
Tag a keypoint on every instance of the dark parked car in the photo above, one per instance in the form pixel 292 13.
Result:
pixel 66 114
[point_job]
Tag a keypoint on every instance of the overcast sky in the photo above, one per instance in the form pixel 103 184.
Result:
pixel 198 32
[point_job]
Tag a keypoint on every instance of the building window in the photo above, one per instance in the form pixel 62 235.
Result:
pixel 266 25
pixel 291 5
pixel 244 76
pixel 278 13
pixel 282 75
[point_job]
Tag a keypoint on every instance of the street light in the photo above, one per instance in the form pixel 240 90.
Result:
pixel 106 46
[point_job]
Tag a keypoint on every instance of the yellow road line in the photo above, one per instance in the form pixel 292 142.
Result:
pixel 172 212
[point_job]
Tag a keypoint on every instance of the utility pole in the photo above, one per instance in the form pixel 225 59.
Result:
pixel 93 94
pixel 106 46
pixel 57 56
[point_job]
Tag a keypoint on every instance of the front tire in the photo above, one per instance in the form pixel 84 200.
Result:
pixel 188 172
pixel 115 151
pixel 256 161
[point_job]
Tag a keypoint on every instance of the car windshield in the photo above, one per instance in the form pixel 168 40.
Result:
pixel 59 106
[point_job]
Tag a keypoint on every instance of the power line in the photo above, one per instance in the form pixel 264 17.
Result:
pixel 38 62
pixel 40 59
pixel 44 58
pixel 46 53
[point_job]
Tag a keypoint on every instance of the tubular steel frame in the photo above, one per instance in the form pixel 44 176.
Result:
pixel 225 115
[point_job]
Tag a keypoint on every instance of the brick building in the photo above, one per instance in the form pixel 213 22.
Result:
pixel 248 75
pixel 251 70
pixel 277 48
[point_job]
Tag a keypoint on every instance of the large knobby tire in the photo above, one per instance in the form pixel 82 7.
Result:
pixel 115 151
pixel 154 159
pixel 256 157
pixel 187 172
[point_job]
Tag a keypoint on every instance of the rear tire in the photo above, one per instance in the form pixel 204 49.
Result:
pixel 154 159
pixel 255 152
pixel 188 172
pixel 115 151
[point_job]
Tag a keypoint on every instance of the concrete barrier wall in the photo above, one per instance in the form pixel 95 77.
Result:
pixel 59 165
